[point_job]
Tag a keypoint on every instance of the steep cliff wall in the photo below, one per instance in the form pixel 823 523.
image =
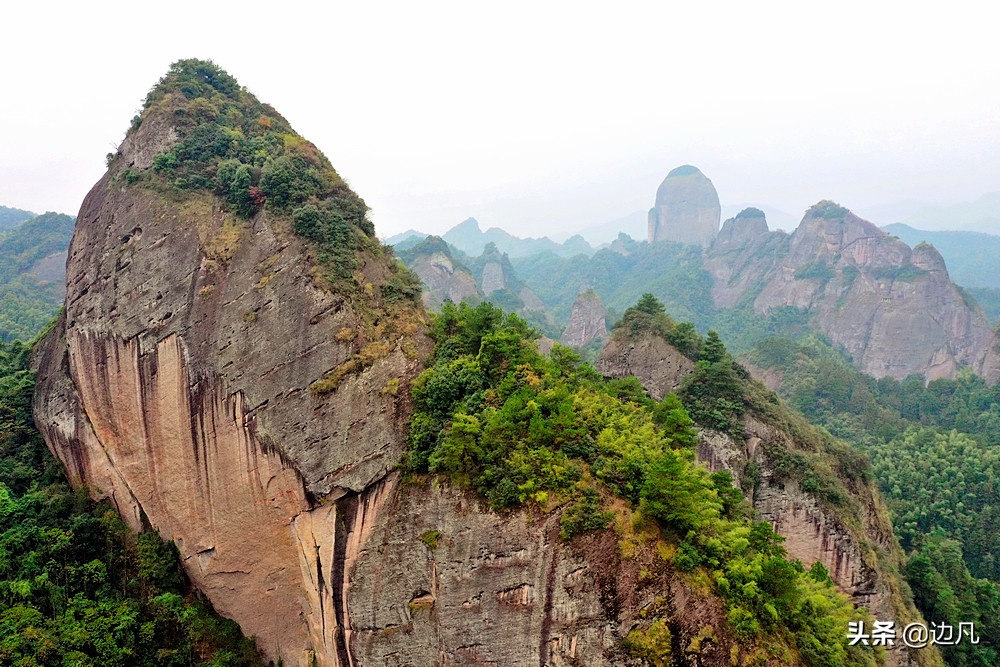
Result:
pixel 443 277
pixel 686 210
pixel 208 380
pixel 243 391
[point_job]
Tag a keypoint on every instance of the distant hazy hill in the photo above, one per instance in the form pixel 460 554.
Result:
pixel 409 238
pixel 32 274
pixel 776 218
pixel 973 258
pixel 10 217
pixel 634 224
pixel 472 240
pixel 989 299
pixel 982 215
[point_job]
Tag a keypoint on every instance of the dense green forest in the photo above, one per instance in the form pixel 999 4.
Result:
pixel 32 274
pixel 521 428
pixel 935 451
pixel 77 587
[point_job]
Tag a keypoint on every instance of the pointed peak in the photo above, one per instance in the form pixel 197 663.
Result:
pixel 469 224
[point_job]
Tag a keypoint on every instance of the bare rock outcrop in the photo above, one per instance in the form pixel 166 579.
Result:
pixel 495 271
pixel 587 321
pixel 893 310
pixel 738 258
pixel 443 277
pixel 658 365
pixel 687 208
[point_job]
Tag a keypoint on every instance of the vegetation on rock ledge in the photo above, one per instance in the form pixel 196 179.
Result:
pixel 935 450
pixel 230 143
pixel 525 429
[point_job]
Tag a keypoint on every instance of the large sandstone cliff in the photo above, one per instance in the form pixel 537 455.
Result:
pixel 686 210
pixel 894 310
pixel 213 385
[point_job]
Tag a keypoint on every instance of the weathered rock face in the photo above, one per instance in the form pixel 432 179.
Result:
pixel 442 276
pixel 177 385
pixel 495 270
pixel 894 310
pixel 813 531
pixel 655 362
pixel 687 209
pixel 480 588
pixel 738 258
pixel 587 322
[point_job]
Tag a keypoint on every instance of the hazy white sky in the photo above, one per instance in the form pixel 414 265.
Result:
pixel 536 116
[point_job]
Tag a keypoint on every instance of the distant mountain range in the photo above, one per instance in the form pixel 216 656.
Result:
pixel 11 217
pixel 973 258
pixel 468 237
pixel 982 215
pixel 887 302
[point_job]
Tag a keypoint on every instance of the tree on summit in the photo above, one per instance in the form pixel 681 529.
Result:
pixel 650 305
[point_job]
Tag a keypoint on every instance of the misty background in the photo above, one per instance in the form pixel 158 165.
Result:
pixel 542 118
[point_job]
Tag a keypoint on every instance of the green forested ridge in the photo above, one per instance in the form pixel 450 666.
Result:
pixel 76 586
pixel 935 450
pixel 29 300
pixel 493 414
pixel 11 217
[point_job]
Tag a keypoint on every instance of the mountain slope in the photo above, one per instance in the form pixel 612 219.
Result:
pixel 236 366
pixel 236 345
pixel 11 217
pixel 32 274
pixel 815 491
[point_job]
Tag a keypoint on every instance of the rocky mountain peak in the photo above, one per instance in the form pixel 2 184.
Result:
pixel 925 256
pixel 231 353
pixel 749 224
pixel 587 322
pixel 466 226
pixel 687 208
pixel 893 309
pixel 443 277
